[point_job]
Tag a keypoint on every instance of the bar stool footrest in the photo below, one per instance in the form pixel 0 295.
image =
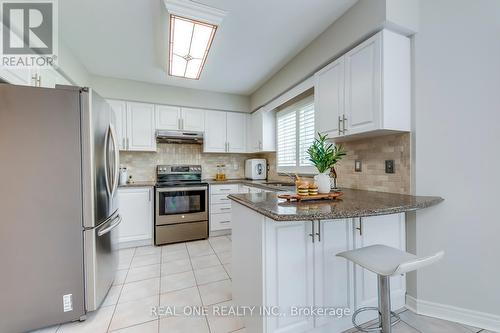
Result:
pixel 372 328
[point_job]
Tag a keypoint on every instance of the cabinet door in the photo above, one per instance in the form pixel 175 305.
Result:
pixel 19 76
pixel 141 126
pixel 256 131
pixel 329 98
pixel 236 132
pixel 136 210
pixel 167 117
pixel 363 86
pixel 268 135
pixel 387 230
pixel 193 119
pixel 214 140
pixel 289 274
pixel 334 276
pixel 120 121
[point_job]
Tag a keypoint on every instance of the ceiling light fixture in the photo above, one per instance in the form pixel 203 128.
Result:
pixel 189 43
pixel 192 30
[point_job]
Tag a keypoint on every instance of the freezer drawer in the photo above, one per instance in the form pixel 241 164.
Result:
pixel 101 260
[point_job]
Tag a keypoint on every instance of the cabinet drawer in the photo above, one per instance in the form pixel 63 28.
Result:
pixel 224 189
pixel 219 199
pixel 220 221
pixel 220 208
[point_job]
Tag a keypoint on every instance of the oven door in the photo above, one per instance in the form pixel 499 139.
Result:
pixel 181 204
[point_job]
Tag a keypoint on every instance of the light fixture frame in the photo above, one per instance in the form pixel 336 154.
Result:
pixel 171 43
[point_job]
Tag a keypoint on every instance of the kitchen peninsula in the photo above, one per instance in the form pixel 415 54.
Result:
pixel 288 250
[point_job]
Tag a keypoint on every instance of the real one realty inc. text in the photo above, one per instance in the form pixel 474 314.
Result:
pixel 242 311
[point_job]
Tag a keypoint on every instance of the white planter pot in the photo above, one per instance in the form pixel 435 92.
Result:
pixel 323 182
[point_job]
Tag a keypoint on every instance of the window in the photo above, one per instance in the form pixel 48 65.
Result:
pixel 295 134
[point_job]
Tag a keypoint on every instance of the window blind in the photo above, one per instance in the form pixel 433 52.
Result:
pixel 295 134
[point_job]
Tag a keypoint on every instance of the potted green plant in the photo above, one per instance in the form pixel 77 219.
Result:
pixel 324 155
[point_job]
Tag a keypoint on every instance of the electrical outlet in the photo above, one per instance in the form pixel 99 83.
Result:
pixel 357 165
pixel 389 166
pixel 68 302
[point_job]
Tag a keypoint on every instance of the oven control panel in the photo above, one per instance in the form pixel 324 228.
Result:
pixel 178 169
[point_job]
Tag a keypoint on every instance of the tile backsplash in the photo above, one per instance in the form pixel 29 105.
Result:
pixel 142 165
pixel 372 152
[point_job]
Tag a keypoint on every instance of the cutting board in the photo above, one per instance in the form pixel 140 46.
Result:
pixel 296 197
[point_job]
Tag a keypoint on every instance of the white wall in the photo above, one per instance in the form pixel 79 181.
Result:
pixel 457 121
pixel 71 67
pixel 163 94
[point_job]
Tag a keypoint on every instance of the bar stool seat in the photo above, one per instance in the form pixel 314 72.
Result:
pixel 385 261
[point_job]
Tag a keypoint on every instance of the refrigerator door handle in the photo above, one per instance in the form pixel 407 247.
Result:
pixel 106 161
pixel 116 173
pixel 116 221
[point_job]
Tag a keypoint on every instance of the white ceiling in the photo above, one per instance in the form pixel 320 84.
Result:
pixel 128 39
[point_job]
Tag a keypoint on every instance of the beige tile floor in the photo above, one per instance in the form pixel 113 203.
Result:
pixel 194 273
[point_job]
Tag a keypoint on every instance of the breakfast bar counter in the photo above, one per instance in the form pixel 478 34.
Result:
pixel 284 257
pixel 353 203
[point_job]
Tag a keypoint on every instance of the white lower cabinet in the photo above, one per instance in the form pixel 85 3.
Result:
pixel 333 276
pixel 299 268
pixel 136 210
pixel 220 206
pixel 290 280
pixel 387 230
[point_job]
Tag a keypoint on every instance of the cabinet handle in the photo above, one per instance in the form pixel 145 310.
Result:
pixel 312 234
pixel 228 147
pixel 319 231
pixel 339 125
pixel 344 120
pixel 123 143
pixel 360 228
pixel 128 146
pixel 182 123
pixel 225 209
pixel 224 221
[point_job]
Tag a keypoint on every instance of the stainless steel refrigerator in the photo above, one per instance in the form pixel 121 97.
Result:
pixel 58 205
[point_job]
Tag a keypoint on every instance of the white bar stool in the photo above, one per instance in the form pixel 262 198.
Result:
pixel 385 261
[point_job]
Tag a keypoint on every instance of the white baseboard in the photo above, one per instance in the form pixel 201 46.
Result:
pixel 452 313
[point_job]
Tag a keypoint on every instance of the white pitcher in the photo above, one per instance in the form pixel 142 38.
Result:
pixel 323 182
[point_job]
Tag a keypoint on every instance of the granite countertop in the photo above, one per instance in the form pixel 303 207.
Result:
pixel 354 203
pixel 139 184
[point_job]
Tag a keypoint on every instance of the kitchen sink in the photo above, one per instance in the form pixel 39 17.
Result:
pixel 278 183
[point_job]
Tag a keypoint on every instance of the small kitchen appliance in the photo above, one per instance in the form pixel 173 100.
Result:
pixel 123 175
pixel 181 204
pixel 256 169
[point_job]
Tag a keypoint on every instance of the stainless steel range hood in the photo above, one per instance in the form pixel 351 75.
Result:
pixel 167 136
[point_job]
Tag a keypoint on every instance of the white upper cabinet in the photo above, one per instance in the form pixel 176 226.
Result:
pixel 262 131
pixel 135 125
pixel 120 112
pixel 168 117
pixel 367 90
pixel 363 87
pixel 236 132
pixel 225 132
pixel 141 127
pixel 214 140
pixel 193 120
pixel 329 98
pixel 177 118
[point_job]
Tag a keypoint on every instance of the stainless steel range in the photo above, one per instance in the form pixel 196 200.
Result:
pixel 181 204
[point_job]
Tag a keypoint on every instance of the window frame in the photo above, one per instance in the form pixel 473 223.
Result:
pixel 295 108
